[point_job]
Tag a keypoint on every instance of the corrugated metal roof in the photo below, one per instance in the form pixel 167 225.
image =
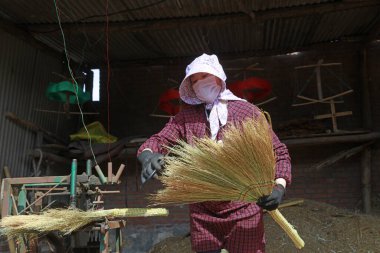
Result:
pixel 42 11
pixel 147 31
pixel 346 23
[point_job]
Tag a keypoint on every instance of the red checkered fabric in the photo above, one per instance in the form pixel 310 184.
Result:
pixel 235 226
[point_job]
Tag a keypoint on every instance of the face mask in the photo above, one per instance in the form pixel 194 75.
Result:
pixel 207 90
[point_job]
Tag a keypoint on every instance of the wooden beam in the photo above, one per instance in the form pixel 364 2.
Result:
pixel 35 128
pixel 165 61
pixel 22 34
pixel 375 31
pixel 216 20
pixel 323 140
pixel 339 156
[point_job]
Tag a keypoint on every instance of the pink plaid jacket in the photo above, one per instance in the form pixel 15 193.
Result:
pixel 235 226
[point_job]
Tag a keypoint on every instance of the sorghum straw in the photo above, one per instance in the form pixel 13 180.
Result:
pixel 67 220
pixel 242 168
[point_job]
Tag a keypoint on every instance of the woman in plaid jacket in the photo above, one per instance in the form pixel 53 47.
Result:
pixel 232 225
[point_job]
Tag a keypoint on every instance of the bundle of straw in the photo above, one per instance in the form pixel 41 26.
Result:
pixel 241 168
pixel 67 220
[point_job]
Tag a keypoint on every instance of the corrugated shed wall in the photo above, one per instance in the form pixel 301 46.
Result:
pixel 24 74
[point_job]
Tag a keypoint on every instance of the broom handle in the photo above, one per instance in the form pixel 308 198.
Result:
pixel 288 228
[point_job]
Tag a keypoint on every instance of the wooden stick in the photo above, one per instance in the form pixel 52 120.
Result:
pixel 288 204
pixel 61 112
pixel 266 101
pixel 326 99
pixel 288 228
pixel 35 128
pixel 291 203
pixel 109 176
pixel 341 155
pixel 115 179
pixel 160 116
pixel 45 194
pixel 316 65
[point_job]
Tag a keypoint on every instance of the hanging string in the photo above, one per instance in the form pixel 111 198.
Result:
pixel 127 10
pixel 76 86
pixel 108 77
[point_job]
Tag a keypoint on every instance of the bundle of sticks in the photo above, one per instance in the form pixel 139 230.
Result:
pixel 241 168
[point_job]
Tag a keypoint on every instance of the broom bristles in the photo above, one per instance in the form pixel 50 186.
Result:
pixel 241 168
pixel 66 221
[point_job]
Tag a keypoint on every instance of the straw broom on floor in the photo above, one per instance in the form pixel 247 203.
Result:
pixel 241 168
pixel 67 220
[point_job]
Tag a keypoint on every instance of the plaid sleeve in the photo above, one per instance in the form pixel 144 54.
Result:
pixel 169 135
pixel 283 161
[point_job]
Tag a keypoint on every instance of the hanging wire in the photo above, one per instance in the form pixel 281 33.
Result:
pixel 73 78
pixel 108 76
pixel 110 14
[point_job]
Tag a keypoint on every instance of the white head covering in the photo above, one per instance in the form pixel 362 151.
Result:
pixel 208 64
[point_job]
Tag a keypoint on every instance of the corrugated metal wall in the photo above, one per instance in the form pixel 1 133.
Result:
pixel 24 74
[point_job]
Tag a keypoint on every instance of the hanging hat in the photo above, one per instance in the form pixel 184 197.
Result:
pixel 204 63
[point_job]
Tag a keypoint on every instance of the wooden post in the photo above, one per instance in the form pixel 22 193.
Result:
pixel 366 102
pixel 366 179
pixel 11 242
pixel 319 82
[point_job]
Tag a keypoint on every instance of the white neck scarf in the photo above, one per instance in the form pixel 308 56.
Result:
pixel 219 113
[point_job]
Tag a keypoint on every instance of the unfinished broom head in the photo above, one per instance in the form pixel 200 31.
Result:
pixel 241 168
pixel 66 221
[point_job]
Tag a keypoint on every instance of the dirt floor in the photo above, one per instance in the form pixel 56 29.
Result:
pixel 323 227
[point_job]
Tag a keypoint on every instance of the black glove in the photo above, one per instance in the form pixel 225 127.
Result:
pixel 272 201
pixel 151 163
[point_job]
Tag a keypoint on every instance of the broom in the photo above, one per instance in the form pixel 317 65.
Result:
pixel 67 220
pixel 241 168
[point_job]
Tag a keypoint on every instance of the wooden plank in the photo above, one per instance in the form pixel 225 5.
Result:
pixel 353 138
pixel 337 114
pixel 340 156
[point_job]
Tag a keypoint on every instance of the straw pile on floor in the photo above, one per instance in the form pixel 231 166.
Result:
pixel 325 228
pixel 66 221
pixel 241 168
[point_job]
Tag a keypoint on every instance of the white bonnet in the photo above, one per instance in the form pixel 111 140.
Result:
pixel 204 63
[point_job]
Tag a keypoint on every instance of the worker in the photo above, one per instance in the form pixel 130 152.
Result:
pixel 215 225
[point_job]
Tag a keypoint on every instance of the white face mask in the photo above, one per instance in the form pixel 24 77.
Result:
pixel 207 90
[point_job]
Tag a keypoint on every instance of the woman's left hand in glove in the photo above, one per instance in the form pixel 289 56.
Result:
pixel 272 201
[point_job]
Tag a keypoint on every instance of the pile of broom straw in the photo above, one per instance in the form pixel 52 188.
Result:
pixel 66 221
pixel 241 168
